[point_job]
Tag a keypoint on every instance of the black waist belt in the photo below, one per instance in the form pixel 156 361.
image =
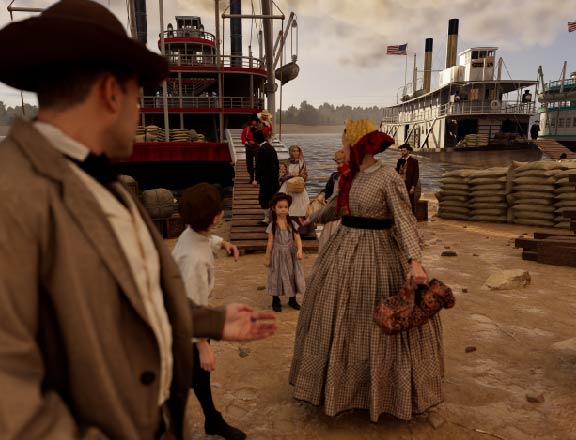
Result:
pixel 366 222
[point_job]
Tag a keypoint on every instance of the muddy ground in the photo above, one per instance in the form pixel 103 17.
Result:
pixel 525 342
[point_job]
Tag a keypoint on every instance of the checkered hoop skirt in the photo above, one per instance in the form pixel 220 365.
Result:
pixel 342 359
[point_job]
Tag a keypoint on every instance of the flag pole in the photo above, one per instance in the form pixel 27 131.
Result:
pixel 405 73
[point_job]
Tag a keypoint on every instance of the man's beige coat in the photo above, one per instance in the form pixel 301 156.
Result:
pixel 78 358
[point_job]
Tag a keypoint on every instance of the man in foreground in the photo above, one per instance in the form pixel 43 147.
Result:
pixel 95 326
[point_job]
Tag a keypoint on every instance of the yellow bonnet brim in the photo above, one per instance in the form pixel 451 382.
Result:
pixel 356 130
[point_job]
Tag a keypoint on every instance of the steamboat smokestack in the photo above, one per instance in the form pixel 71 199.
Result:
pixel 140 18
pixel 236 33
pixel 452 47
pixel 427 64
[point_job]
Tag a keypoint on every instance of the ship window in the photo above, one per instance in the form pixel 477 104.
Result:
pixel 475 55
pixel 561 123
pixel 568 121
pixel 574 122
pixel 483 54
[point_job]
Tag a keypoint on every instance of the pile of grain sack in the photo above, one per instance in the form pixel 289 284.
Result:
pixel 527 193
pixel 153 133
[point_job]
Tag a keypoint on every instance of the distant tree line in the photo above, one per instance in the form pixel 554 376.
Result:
pixel 7 114
pixel 328 114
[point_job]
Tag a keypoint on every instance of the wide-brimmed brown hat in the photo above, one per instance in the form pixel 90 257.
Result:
pixel 72 34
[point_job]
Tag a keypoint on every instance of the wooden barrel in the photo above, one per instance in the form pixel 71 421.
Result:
pixel 159 203
pixel 129 183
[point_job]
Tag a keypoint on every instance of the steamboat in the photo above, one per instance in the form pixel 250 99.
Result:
pixel 191 125
pixel 474 109
pixel 558 109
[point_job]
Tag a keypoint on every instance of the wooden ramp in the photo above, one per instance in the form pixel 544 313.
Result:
pixel 553 149
pixel 246 232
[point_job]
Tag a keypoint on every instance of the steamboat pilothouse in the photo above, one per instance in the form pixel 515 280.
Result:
pixel 473 108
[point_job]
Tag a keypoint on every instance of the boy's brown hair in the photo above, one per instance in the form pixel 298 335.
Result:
pixel 199 205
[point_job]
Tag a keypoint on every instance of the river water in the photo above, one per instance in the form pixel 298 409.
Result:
pixel 319 154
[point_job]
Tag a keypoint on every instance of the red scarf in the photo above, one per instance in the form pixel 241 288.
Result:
pixel 372 143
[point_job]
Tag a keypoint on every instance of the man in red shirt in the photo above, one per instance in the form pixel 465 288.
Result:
pixel 251 146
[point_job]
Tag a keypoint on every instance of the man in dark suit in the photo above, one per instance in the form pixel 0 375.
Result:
pixel 408 168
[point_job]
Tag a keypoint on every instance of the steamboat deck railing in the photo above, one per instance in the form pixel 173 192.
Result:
pixel 553 85
pixel 189 33
pixel 207 60
pixel 203 102
pixel 462 108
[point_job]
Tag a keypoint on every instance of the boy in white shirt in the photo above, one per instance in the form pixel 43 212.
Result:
pixel 202 208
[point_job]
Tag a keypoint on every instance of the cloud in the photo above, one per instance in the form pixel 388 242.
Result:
pixel 341 40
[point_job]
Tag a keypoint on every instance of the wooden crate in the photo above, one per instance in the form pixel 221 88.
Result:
pixel 421 210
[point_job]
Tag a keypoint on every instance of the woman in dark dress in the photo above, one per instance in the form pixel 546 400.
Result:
pixel 267 170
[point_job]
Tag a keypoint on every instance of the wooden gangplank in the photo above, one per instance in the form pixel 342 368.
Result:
pixel 246 231
pixel 553 149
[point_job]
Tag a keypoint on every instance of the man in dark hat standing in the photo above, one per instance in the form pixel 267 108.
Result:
pixel 95 328
pixel 407 167
pixel 250 144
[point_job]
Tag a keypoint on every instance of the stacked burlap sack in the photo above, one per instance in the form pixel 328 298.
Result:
pixel 454 195
pixel 533 195
pixel 180 135
pixel 474 140
pixel 565 195
pixel 488 195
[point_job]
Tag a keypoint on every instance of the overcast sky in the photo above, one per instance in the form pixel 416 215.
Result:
pixel 342 43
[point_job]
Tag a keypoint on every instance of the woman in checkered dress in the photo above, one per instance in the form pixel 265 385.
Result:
pixel 342 359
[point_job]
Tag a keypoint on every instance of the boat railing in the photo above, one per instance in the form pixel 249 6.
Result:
pixel 189 33
pixel 553 85
pixel 203 102
pixel 458 108
pixel 176 59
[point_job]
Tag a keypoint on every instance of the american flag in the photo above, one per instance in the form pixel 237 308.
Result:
pixel 571 26
pixel 396 50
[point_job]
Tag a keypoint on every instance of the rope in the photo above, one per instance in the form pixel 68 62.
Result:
pixel 252 23
pixel 21 93
pixel 281 85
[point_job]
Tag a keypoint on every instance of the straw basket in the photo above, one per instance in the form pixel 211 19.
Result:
pixel 295 185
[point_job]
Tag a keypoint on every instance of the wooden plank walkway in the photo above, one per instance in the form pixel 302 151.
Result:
pixel 246 231
pixel 553 149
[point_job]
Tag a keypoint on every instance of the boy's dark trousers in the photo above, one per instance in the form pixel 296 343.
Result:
pixel 201 384
pixel 251 151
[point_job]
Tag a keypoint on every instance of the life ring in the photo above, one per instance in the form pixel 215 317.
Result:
pixel 495 104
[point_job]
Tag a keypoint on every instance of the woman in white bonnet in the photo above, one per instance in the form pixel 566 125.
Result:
pixel 296 168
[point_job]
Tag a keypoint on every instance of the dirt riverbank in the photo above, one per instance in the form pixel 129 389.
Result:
pixel 525 343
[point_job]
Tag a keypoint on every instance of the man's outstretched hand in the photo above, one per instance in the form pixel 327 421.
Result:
pixel 244 324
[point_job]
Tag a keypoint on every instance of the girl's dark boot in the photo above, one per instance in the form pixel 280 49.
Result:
pixel 276 305
pixel 293 303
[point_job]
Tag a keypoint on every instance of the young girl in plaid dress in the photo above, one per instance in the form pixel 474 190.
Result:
pixel 283 254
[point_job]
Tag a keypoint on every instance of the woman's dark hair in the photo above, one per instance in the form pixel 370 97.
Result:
pixel 199 205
